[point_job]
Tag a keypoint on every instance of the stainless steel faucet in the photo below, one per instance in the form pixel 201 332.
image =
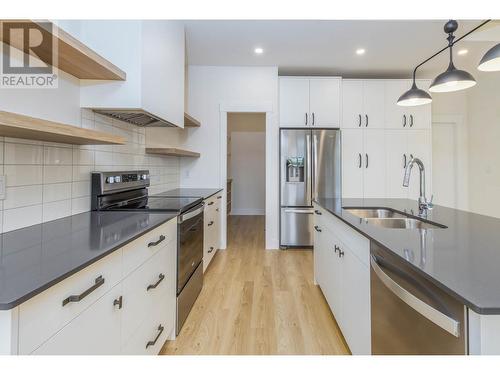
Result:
pixel 423 203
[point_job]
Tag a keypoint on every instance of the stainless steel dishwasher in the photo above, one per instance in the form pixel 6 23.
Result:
pixel 409 314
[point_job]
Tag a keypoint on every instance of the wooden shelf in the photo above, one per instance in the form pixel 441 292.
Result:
pixel 172 151
pixel 20 126
pixel 190 122
pixel 74 57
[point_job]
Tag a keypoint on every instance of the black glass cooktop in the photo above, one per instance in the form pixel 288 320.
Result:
pixel 162 204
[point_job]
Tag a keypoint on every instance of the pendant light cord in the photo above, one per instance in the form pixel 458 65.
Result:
pixel 450 45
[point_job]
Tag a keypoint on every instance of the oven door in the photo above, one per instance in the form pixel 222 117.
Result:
pixel 190 247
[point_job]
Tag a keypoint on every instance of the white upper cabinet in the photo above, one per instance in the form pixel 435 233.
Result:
pixel 398 117
pixel 294 102
pixel 352 163
pixel 363 103
pixel 308 102
pixel 374 164
pixel 324 102
pixel 152 54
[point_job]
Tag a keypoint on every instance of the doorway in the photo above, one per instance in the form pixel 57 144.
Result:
pixel 449 162
pixel 246 171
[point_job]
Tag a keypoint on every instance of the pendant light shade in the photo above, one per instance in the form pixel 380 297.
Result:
pixel 452 79
pixel 414 97
pixel 491 60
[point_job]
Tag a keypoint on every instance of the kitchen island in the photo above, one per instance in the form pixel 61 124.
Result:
pixel 461 258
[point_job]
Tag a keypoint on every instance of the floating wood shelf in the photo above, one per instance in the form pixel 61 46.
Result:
pixel 73 56
pixel 190 122
pixel 20 126
pixel 172 151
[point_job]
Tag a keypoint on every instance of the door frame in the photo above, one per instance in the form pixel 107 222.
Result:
pixel 461 145
pixel 272 155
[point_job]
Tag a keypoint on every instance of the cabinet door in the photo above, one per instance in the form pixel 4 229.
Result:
pixel 324 102
pixel 374 179
pixel 319 255
pixel 352 104
pixel 333 275
pixel 294 102
pixel 396 116
pixel 420 146
pixel 94 332
pixel 352 163
pixel 373 104
pixel 396 159
pixel 356 326
pixel 420 116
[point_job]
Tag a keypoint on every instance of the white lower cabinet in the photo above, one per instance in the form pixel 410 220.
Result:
pixel 342 272
pixel 113 306
pixel 95 331
pixel 211 235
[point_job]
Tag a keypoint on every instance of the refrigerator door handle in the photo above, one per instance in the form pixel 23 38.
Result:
pixel 447 323
pixel 309 171
pixel 315 165
pixel 299 211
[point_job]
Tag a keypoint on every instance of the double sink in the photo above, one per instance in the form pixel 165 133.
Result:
pixel 392 219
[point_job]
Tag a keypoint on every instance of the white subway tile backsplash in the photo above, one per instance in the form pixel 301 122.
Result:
pixel 56 192
pixel 17 153
pixel 18 175
pixel 83 157
pixel 53 174
pixel 21 217
pixel 56 210
pixel 21 196
pixel 57 156
pixel 47 181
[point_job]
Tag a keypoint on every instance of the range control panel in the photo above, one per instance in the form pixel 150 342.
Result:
pixel 109 182
pixel 127 177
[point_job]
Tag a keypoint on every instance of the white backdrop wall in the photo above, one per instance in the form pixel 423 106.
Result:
pixel 247 165
pixel 211 88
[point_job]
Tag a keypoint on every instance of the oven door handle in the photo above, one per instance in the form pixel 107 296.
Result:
pixel 190 215
pixel 450 325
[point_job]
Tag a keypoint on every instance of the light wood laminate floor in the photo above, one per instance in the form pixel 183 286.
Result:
pixel 257 301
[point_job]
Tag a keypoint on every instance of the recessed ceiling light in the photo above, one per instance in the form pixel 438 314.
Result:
pixel 360 51
pixel 258 51
pixel 463 51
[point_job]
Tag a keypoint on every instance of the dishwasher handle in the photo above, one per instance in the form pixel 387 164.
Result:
pixel 450 325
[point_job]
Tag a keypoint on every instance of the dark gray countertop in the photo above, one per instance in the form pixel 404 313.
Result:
pixel 189 192
pixel 34 258
pixel 463 259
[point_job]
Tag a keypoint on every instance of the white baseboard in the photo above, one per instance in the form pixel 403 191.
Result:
pixel 248 211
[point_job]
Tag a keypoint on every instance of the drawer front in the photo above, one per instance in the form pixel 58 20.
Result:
pixel 146 287
pixel 94 332
pixel 152 332
pixel 140 250
pixel 44 315
pixel 357 243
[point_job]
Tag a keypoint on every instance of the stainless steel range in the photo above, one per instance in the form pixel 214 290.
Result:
pixel 127 191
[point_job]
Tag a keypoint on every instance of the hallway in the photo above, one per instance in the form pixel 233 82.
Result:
pixel 256 301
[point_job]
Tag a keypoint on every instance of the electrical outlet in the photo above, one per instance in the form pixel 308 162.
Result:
pixel 2 187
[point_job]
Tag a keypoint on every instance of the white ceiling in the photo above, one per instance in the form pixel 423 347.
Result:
pixel 393 48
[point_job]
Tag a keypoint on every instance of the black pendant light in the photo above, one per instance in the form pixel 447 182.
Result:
pixel 452 79
pixel 414 97
pixel 491 60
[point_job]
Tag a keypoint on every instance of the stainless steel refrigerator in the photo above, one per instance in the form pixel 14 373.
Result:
pixel 310 167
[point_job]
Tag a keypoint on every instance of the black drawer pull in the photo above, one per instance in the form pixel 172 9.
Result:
pixel 336 248
pixel 341 253
pixel 217 209
pixel 211 249
pixel 162 238
pixel 151 343
pixel 211 223
pixel 153 286
pixel 317 228
pixel 318 212
pixel 118 302
pixel 210 203
pixel 219 197
pixel 77 298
